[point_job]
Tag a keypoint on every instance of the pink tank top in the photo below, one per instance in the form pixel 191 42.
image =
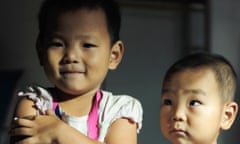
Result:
pixel 92 123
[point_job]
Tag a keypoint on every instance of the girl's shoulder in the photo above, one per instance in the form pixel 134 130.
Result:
pixel 113 107
pixel 40 96
pixel 112 100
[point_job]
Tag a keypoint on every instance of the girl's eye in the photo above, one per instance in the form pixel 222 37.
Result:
pixel 88 45
pixel 167 102
pixel 195 103
pixel 55 44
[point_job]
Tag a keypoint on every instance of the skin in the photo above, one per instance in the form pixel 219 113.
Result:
pixel 76 61
pixel 192 110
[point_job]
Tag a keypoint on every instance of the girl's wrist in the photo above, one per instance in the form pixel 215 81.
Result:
pixel 59 132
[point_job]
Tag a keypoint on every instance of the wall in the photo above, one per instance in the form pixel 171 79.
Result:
pixel 18 30
pixel 152 42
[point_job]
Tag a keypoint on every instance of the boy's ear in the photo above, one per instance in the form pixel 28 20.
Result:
pixel 230 113
pixel 116 55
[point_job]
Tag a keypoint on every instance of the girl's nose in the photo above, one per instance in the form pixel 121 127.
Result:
pixel 70 56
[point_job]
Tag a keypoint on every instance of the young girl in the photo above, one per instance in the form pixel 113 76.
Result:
pixel 78 43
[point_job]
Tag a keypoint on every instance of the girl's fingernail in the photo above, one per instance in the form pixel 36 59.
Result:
pixel 15 118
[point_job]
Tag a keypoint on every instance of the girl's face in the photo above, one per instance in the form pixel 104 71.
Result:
pixel 78 53
pixel 191 109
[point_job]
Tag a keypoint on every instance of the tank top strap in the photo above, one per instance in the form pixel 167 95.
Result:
pixel 92 122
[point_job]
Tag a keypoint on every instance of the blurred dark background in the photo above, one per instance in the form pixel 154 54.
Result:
pixel 155 33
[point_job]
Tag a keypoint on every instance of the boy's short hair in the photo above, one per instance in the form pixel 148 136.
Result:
pixel 51 9
pixel 224 72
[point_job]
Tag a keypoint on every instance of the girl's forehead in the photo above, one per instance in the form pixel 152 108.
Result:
pixel 83 19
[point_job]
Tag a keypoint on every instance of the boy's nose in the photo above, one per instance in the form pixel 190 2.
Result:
pixel 179 114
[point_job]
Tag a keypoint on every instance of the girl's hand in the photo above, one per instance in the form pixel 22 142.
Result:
pixel 37 129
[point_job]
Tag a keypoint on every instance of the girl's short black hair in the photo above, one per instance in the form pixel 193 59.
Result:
pixel 50 10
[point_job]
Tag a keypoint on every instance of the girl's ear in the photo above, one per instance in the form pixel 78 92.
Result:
pixel 230 113
pixel 117 51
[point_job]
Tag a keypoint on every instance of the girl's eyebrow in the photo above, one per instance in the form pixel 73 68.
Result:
pixel 86 37
pixel 83 36
pixel 56 35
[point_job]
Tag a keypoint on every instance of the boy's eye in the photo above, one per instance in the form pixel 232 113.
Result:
pixel 194 103
pixel 167 102
pixel 88 45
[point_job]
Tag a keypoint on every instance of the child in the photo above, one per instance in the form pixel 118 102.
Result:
pixel 197 99
pixel 78 42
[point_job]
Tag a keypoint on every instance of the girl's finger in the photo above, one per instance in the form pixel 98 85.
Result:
pixel 23 122
pixel 28 140
pixel 21 131
pixel 50 112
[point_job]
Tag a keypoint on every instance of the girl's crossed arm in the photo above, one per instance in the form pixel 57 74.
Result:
pixel 49 129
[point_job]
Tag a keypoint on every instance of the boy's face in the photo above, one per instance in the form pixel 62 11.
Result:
pixel 191 110
pixel 78 53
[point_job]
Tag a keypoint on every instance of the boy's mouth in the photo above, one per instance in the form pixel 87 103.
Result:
pixel 178 129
